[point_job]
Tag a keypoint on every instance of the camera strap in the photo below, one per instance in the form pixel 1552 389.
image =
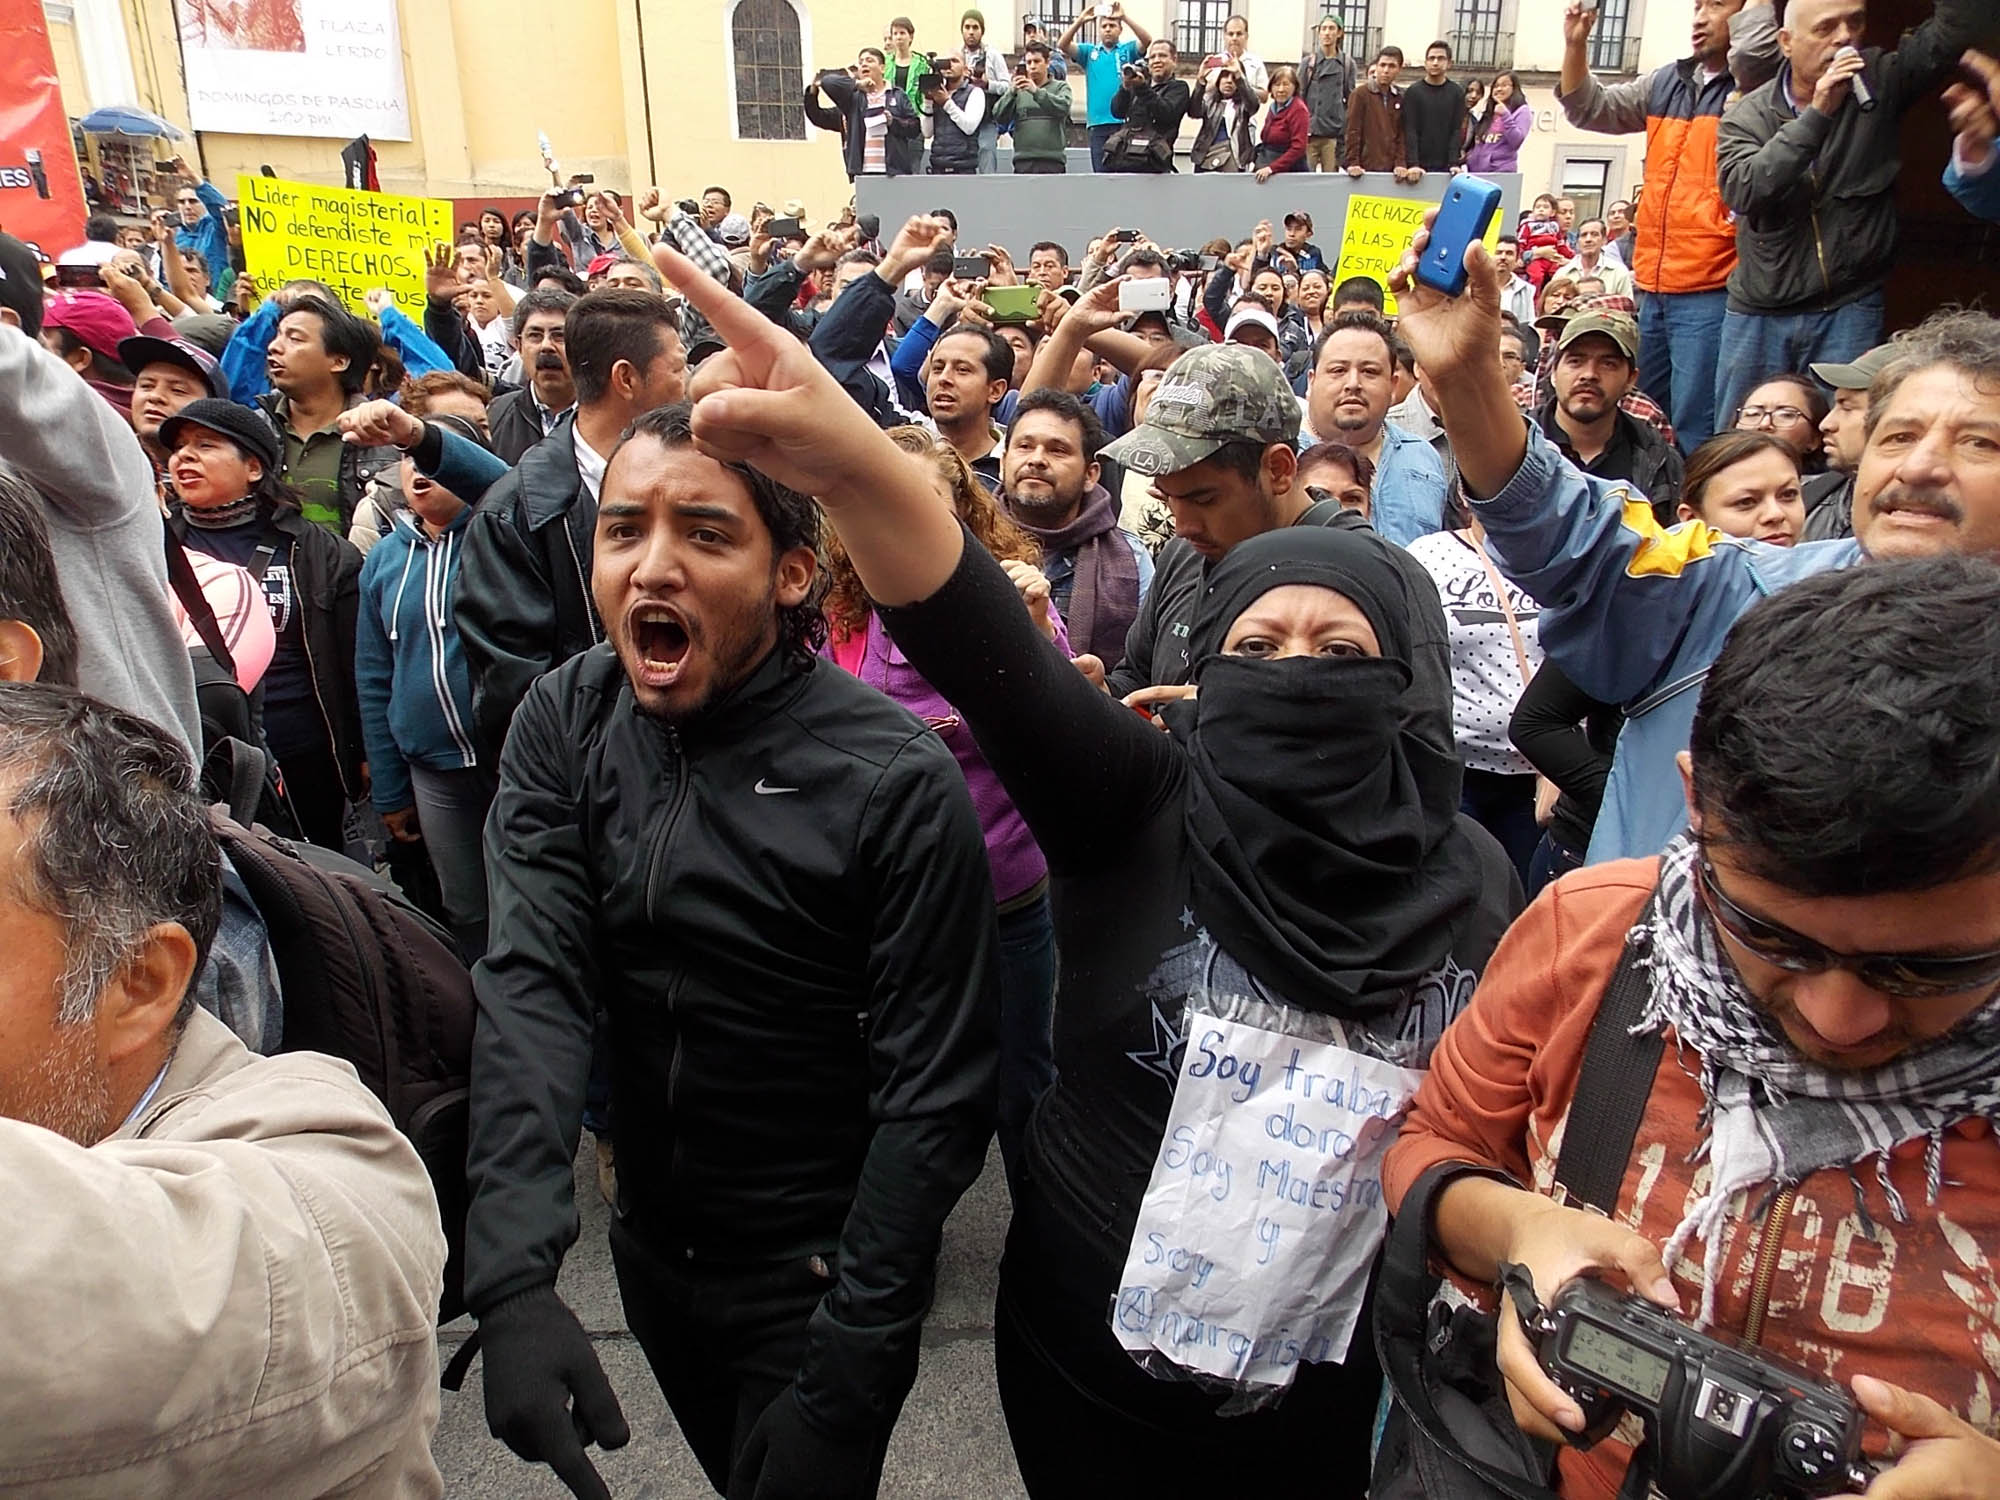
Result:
pixel 1612 1086
pixel 1459 1448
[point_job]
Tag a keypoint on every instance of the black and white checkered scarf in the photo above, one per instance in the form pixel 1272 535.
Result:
pixel 1773 1117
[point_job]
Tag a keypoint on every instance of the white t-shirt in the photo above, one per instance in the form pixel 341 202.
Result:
pixel 1486 679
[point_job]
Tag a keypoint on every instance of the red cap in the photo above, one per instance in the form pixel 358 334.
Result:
pixel 97 318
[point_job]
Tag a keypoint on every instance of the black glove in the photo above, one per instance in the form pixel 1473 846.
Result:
pixel 787 1458
pixel 539 1360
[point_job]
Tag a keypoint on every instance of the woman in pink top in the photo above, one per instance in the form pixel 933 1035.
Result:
pixel 1500 129
pixel 857 642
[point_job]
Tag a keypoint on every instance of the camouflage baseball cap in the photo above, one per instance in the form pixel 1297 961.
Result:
pixel 1220 393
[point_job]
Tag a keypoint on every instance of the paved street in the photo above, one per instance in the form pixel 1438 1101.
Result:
pixel 950 1443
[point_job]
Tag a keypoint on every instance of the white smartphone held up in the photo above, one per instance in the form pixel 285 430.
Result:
pixel 1154 294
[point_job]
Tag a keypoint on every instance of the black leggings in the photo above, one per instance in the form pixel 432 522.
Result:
pixel 1087 1422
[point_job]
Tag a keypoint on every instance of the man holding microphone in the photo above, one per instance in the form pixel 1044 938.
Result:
pixel 1808 164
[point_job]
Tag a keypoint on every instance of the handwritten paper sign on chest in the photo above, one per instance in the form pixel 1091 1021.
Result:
pixel 1264 1211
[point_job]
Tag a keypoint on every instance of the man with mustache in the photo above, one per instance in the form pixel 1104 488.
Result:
pixel 522 418
pixel 1634 613
pixel 1596 363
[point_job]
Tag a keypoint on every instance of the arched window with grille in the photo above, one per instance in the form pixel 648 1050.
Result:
pixel 769 70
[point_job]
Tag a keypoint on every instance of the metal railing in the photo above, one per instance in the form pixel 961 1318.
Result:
pixel 1613 52
pixel 1481 50
pixel 1198 27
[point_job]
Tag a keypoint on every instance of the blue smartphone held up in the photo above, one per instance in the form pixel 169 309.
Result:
pixel 1467 211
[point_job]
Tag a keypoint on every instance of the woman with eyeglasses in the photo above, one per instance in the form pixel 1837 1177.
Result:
pixel 857 642
pixel 1792 406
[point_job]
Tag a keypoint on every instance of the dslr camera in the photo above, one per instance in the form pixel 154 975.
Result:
pixel 1722 1423
pixel 1184 260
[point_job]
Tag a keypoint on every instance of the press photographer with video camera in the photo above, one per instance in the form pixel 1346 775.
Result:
pixel 1770 1059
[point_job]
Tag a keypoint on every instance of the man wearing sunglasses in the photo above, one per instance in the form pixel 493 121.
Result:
pixel 1815 1172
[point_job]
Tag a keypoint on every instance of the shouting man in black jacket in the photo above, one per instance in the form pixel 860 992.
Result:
pixel 523 588
pixel 772 880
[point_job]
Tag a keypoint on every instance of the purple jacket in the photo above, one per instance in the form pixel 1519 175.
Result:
pixel 1011 850
pixel 1497 148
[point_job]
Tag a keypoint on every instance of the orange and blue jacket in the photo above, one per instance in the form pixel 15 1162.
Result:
pixel 1684 234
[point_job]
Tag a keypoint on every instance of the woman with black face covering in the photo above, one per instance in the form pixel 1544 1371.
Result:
pixel 1295 838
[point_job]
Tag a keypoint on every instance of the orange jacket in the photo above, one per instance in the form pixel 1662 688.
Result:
pixel 1684 235
pixel 1918 1304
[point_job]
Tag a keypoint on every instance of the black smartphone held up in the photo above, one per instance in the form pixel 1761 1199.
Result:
pixel 76 278
pixel 1468 209
pixel 783 229
pixel 971 267
pixel 1124 236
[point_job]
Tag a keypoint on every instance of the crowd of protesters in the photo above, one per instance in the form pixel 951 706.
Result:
pixel 839 709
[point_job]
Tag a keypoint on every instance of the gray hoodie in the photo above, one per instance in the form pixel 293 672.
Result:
pixel 105 530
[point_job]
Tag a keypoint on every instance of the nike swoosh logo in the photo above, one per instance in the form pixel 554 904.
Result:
pixel 762 790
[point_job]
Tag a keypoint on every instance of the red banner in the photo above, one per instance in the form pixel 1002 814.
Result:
pixel 41 193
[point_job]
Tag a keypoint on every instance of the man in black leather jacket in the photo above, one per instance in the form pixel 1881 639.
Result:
pixel 772 881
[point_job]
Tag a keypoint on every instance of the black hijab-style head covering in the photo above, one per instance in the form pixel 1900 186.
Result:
pixel 1329 859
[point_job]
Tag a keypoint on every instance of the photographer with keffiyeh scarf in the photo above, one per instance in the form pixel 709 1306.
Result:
pixel 1815 1171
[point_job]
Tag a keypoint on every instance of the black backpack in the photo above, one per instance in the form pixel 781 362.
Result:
pixel 369 978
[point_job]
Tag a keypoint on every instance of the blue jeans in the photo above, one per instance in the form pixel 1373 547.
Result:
pixel 1756 346
pixel 1027 1020
pixel 1099 134
pixel 1680 346
pixel 989 145
pixel 451 811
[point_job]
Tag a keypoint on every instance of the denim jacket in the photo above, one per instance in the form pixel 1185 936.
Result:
pixel 1633 613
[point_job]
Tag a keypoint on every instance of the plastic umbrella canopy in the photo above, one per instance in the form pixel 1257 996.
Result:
pixel 128 119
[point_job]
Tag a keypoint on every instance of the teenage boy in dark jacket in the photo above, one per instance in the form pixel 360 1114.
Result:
pixel 1374 140
pixel 1327 81
pixel 1809 169
pixel 772 880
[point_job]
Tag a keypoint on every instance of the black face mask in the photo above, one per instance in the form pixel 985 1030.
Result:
pixel 1309 742
pixel 1323 824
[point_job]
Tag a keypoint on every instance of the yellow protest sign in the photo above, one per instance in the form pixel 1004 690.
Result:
pixel 352 241
pixel 1378 231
